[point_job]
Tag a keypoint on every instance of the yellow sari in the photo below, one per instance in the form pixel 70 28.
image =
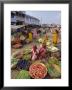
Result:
pixel 55 38
pixel 30 37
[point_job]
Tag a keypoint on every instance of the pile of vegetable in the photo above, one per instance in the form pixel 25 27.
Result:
pixel 21 60
pixel 27 49
pixel 40 40
pixel 38 70
pixel 23 74
pixel 27 54
pixel 27 57
pixel 23 64
pixel 54 67
pixel 48 43
pixel 13 63
pixel 52 48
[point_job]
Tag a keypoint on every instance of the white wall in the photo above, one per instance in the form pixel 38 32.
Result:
pixel 30 20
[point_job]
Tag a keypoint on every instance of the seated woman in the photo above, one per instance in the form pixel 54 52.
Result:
pixel 55 37
pixel 42 51
pixel 35 52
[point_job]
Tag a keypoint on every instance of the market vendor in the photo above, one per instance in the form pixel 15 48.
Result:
pixel 55 37
pixel 45 38
pixel 30 36
pixel 35 52
pixel 15 39
pixel 42 51
pixel 34 31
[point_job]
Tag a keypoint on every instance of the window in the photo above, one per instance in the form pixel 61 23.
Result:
pixel 12 23
pixel 12 15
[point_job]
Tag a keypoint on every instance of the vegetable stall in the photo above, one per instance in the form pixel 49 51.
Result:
pixel 38 59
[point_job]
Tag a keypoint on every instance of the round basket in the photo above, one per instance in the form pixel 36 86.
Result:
pixel 38 70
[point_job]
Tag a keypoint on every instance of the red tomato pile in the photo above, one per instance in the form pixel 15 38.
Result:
pixel 38 70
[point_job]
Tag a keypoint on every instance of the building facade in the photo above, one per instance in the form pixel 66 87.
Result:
pixel 20 18
pixel 31 20
pixel 17 18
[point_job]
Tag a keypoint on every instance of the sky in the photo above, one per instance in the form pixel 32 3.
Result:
pixel 46 17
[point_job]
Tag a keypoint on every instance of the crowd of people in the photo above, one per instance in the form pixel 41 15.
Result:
pixel 26 36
